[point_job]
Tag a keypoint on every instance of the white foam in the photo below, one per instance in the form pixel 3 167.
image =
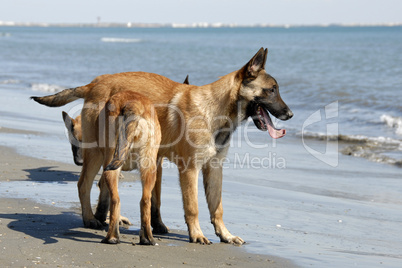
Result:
pixel 348 138
pixel 393 122
pixel 43 87
pixel 9 81
pixel 377 149
pixel 120 40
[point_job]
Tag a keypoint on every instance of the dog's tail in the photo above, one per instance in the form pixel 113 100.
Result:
pixel 63 97
pixel 131 130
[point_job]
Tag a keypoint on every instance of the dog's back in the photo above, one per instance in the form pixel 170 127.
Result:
pixel 74 125
pixel 139 130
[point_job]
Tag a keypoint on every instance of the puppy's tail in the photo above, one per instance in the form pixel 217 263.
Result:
pixel 63 97
pixel 129 131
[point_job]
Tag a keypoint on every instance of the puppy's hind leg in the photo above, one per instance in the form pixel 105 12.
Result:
pixel 148 176
pixel 111 178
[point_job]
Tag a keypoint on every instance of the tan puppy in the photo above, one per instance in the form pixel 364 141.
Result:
pixel 196 122
pixel 132 136
pixel 137 140
pixel 75 136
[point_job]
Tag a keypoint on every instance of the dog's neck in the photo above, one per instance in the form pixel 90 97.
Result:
pixel 225 106
pixel 225 92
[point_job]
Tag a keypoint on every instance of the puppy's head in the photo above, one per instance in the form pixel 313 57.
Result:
pixel 75 136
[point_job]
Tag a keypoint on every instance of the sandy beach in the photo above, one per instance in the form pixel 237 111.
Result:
pixel 34 233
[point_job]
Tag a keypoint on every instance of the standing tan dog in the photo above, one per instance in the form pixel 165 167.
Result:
pixel 196 122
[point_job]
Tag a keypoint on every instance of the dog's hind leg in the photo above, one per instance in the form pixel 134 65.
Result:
pixel 156 220
pixel 189 189
pixel 111 179
pixel 212 175
pixel 148 177
pixel 92 163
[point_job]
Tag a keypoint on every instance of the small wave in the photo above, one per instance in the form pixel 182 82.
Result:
pixel 372 153
pixel 348 138
pixel 46 87
pixel 377 149
pixel 393 122
pixel 120 40
pixel 9 81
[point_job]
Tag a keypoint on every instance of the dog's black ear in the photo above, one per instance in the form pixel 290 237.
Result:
pixel 265 57
pixel 186 81
pixel 257 63
pixel 68 121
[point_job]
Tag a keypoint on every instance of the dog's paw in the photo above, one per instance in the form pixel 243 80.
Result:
pixel 146 237
pixel 160 228
pixel 147 241
pixel 124 221
pixel 112 241
pixel 235 240
pixel 93 224
pixel 200 240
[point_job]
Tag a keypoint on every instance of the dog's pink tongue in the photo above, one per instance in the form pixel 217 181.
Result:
pixel 273 132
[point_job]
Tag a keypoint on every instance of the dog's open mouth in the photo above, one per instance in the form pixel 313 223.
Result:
pixel 263 122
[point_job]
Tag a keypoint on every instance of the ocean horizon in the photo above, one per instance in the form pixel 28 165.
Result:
pixel 130 24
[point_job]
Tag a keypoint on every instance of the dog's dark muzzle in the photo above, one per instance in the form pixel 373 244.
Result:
pixel 282 113
pixel 285 115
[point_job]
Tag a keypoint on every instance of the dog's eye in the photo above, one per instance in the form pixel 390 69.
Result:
pixel 270 90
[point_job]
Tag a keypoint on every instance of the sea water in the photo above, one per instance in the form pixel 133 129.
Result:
pixel 328 193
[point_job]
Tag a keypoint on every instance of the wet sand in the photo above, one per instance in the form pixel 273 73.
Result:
pixel 32 233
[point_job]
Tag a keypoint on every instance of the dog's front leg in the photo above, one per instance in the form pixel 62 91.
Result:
pixel 103 201
pixel 189 189
pixel 92 163
pixel 103 204
pixel 212 175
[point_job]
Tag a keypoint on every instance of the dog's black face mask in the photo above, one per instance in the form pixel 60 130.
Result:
pixel 262 120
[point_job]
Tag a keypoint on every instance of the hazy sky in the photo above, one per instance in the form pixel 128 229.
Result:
pixel 211 11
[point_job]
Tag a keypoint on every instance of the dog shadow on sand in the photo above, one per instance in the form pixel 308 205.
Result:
pixel 52 174
pixel 50 228
pixel 68 225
